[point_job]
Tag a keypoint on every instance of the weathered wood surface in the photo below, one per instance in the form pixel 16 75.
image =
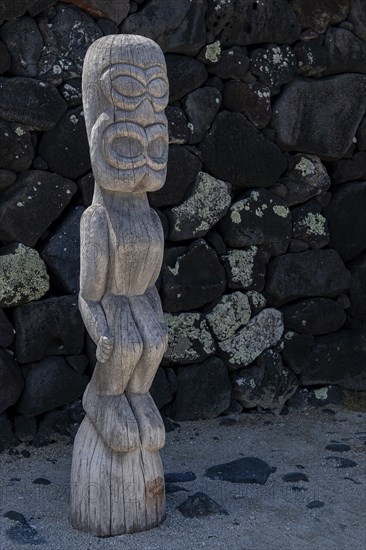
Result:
pixel 117 480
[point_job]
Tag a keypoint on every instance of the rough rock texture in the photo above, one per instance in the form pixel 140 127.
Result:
pixel 307 121
pixel 175 26
pixel 310 225
pixel 228 314
pixel 23 275
pixel 109 9
pixel 306 274
pixel 267 384
pixel 30 205
pixel 253 100
pixel 49 383
pixel 258 218
pixel 314 316
pixel 357 17
pixel 350 169
pixel 191 278
pixel 189 339
pixel 200 505
pixel 243 470
pixel 245 268
pixel 203 391
pixel 35 103
pixel 6 330
pixel 25 44
pixel 185 74
pixel 201 108
pixel 317 15
pixel 337 358
pixel 274 66
pixel 347 233
pixel 62 251
pixel 205 205
pixel 65 148
pixel 230 146
pixel 183 167
pixel 306 178
pixel 263 331
pixel 246 22
pixel 16 145
pixel 48 327
pixel 11 381
pixel 232 63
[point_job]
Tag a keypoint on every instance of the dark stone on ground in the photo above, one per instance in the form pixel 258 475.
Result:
pixel 309 225
pixel 295 476
pixel 35 103
pixel 228 421
pixel 48 327
pixel 71 92
pixel 185 74
pixel 191 278
pixel 243 470
pixel 183 168
pixel 41 481
pixel 307 121
pixel 177 125
pixel 5 59
pixel 347 232
pixel 233 63
pixel 230 147
pixel 337 358
pixel 8 439
pixel 246 22
pixel 65 148
pixel 203 391
pixel 306 178
pixel 67 34
pixel 11 381
pixel 160 390
pixel 24 534
pixel 314 316
pixel 62 251
pixel 50 383
pixel 306 274
pixel 297 489
pixel 176 26
pixel 6 331
pixel 25 44
pixel 313 16
pixel 16 146
pixel 200 505
pixel 25 427
pixel 267 385
pixel 179 477
pixel 25 453
pixel 253 100
pixel 15 516
pixel 258 218
pixel 273 66
pixel 315 504
pixel 170 488
pixel 338 447
pixel 201 107
pixel 31 204
pixel 339 462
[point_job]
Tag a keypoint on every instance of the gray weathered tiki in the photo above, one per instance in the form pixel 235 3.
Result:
pixel 117 481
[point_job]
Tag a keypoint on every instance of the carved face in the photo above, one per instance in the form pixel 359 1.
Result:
pixel 129 135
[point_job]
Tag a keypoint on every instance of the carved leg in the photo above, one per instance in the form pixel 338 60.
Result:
pixel 112 418
pixel 151 426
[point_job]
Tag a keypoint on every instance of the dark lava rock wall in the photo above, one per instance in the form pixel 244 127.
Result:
pixel 263 281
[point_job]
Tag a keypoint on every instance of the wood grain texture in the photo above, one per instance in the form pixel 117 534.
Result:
pixel 117 480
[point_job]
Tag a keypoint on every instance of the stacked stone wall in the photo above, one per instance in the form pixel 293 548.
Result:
pixel 264 276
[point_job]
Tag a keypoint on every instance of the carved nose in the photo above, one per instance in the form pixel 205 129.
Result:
pixel 146 112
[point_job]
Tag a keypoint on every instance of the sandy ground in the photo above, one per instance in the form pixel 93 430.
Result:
pixel 273 516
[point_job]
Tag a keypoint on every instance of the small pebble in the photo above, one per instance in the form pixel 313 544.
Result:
pixel 295 476
pixel 179 477
pixel 315 504
pixel 41 481
pixel 338 447
pixel 25 453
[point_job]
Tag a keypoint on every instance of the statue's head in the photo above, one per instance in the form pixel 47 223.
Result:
pixel 125 92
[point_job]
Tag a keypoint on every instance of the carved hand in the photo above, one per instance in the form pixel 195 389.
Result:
pixel 104 349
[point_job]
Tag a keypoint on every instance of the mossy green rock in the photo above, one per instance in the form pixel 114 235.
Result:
pixel 23 275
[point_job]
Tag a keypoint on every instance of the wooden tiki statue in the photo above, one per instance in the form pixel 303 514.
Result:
pixel 117 480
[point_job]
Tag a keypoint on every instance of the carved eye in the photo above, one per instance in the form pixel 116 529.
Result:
pixel 157 150
pixel 127 147
pixel 158 87
pixel 128 86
